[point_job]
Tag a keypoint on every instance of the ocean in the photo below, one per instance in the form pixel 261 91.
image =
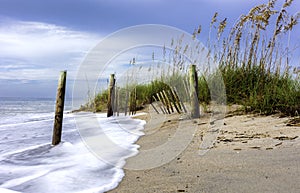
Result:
pixel 29 163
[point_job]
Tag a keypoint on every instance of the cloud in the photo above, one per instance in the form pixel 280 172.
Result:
pixel 36 51
pixel 29 74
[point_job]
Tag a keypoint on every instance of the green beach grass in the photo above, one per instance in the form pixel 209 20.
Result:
pixel 254 63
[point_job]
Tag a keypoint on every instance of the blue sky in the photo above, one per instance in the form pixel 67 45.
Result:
pixel 40 38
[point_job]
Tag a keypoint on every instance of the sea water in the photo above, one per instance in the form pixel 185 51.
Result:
pixel 29 163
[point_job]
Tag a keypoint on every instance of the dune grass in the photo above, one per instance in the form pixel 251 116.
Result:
pixel 254 63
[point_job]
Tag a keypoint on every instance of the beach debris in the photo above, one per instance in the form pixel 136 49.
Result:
pixel 178 160
pixel 282 138
pixel 255 147
pixel 294 122
pixel 237 149
pixel 241 137
pixel 223 139
pixel 278 144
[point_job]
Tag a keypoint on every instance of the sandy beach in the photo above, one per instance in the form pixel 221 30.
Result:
pixel 250 154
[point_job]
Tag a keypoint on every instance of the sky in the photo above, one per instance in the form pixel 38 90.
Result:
pixel 38 39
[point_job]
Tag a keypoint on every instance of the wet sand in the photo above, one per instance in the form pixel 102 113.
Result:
pixel 250 154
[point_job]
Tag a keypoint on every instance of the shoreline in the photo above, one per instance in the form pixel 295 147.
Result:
pixel 251 154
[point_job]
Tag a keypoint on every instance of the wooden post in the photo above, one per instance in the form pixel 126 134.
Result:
pixel 131 103
pixel 119 102
pixel 135 101
pixel 186 88
pixel 116 101
pixel 195 112
pixel 110 100
pixel 126 102
pixel 59 111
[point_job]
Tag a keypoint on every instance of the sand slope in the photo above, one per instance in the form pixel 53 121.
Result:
pixel 251 154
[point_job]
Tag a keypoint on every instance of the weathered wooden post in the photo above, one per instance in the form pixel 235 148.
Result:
pixel 186 87
pixel 59 110
pixel 193 78
pixel 118 102
pixel 126 102
pixel 110 100
pixel 132 102
pixel 135 101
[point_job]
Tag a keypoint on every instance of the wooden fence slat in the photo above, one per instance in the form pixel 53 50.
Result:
pixel 168 101
pixel 179 99
pixel 159 105
pixel 174 101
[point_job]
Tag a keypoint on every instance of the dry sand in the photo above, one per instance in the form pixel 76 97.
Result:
pixel 251 154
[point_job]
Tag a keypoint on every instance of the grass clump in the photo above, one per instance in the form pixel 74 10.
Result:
pixel 254 63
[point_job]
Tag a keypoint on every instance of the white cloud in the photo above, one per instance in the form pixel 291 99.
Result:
pixel 29 74
pixel 35 50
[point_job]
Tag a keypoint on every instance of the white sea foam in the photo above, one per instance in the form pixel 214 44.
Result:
pixel 29 163
pixel 4 190
pixel 18 181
